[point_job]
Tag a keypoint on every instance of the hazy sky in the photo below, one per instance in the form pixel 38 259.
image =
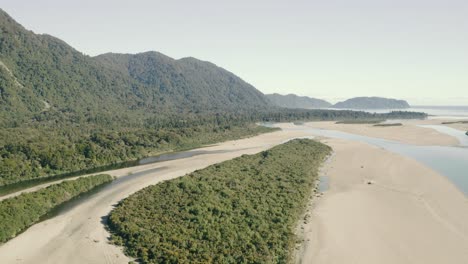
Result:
pixel 411 49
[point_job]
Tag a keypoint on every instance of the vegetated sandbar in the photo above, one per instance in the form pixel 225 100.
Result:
pixel 78 235
pixel 239 211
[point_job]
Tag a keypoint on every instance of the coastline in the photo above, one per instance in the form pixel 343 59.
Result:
pixel 406 204
pixel 407 214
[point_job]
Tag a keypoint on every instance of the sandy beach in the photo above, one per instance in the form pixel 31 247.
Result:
pixel 408 133
pixel 408 214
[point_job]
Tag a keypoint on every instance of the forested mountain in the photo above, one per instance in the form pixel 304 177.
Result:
pixel 40 70
pixel 187 83
pixel 372 103
pixel 62 111
pixel 295 101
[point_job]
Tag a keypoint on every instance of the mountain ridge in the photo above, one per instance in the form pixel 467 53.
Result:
pixel 373 102
pixel 80 86
pixel 296 101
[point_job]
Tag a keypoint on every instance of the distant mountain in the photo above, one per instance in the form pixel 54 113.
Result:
pixel 41 72
pixel 295 101
pixel 372 103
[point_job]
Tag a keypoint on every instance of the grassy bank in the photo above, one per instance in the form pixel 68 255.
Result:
pixel 20 212
pixel 239 211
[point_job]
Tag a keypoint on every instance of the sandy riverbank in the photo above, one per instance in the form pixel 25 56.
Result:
pixel 459 126
pixel 408 133
pixel 408 214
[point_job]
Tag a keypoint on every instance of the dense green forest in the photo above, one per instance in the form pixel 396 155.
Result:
pixel 44 153
pixel 20 212
pixel 239 211
pixel 63 111
pixel 31 152
pixel 40 73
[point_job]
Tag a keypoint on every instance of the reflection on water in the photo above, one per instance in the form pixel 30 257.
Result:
pixel 451 162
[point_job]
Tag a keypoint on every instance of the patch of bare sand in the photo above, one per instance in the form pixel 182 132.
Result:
pixel 407 214
pixel 449 123
pixel 408 133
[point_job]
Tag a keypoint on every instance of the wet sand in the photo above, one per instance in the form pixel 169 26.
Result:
pixel 384 208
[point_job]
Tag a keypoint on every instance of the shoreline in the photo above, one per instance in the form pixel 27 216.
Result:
pixel 390 220
pixel 303 227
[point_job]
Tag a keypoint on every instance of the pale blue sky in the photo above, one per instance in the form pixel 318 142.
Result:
pixel 411 49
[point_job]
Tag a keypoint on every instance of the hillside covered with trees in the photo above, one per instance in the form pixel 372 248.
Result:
pixel 238 211
pixel 40 73
pixel 295 101
pixel 63 111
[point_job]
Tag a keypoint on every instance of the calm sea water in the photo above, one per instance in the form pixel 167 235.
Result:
pixel 452 162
